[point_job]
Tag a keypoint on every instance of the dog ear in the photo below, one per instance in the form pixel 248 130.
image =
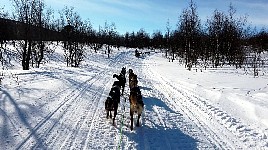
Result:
pixel 114 75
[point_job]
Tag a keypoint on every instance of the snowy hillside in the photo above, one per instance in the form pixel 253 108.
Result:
pixel 59 107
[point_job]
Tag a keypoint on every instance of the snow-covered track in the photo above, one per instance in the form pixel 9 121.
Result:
pixel 54 118
pixel 219 128
pixel 59 107
pixel 74 110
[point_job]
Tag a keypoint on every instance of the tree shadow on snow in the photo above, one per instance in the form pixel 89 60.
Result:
pixel 161 128
pixel 13 116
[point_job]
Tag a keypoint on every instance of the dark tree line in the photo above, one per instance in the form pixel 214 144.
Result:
pixel 223 39
pixel 140 40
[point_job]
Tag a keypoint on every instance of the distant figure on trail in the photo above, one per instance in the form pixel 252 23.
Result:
pixel 137 53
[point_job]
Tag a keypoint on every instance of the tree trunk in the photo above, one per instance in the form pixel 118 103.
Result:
pixel 24 55
pixel 28 56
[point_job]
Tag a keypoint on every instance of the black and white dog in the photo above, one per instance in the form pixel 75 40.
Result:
pixel 121 78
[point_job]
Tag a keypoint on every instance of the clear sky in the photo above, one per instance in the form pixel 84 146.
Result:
pixel 152 15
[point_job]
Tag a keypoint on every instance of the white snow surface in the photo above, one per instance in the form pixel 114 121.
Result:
pixel 59 107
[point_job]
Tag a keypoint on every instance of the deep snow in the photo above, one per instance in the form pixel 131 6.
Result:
pixel 59 107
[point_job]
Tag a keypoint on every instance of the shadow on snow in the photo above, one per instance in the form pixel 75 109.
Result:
pixel 9 116
pixel 154 133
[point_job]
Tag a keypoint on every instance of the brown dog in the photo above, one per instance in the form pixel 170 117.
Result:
pixel 136 104
pixel 133 81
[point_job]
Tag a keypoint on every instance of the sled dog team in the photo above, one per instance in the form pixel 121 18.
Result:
pixel 135 97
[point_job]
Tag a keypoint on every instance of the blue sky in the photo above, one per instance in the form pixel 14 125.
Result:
pixel 152 15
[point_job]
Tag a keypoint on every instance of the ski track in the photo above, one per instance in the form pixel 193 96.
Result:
pixel 48 123
pixel 53 130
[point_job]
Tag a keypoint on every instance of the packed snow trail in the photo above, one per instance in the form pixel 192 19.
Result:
pixel 60 107
pixel 216 126
pixel 70 125
pixel 163 127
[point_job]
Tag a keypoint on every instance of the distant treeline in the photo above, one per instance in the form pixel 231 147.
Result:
pixel 224 39
pixel 15 30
